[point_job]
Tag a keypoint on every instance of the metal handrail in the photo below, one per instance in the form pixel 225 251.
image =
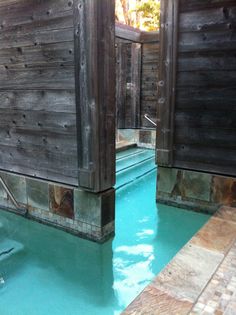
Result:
pixel 16 204
pixel 150 120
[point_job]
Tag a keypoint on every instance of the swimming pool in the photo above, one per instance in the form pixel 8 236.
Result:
pixel 56 273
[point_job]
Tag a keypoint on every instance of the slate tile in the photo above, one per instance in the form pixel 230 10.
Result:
pixel 61 201
pixel 217 235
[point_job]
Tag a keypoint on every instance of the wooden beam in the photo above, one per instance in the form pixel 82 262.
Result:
pixel 149 37
pixel 94 34
pixel 167 81
pixel 134 34
pixel 121 84
pixel 136 56
pixel 127 32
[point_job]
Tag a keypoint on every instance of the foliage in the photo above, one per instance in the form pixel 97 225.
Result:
pixel 150 14
pixel 144 14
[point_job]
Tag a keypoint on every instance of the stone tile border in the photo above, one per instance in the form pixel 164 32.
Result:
pixel 200 279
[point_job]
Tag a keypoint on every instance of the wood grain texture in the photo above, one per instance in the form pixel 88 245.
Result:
pixel 205 120
pixel 94 37
pixel 37 90
pixel 167 81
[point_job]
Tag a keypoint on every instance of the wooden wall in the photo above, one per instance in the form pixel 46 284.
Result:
pixel 57 107
pixel 202 130
pixel 137 55
pixel 37 98
pixel 149 79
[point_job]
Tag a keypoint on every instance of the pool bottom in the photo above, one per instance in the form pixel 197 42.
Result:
pixel 57 273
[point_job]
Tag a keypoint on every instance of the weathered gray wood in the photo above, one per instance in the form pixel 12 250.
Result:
pixel 57 78
pixel 206 136
pixel 135 84
pixel 21 39
pixel 205 109
pixel 213 19
pixel 150 64
pixel 210 159
pixel 219 61
pixel 166 84
pixel 37 55
pixel 201 99
pixel 149 37
pixel 126 32
pixel 121 84
pixel 201 41
pixel 61 101
pixel 37 91
pixel 191 5
pixel 95 89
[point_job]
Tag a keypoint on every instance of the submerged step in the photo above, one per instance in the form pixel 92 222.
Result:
pixel 129 152
pixel 135 171
pixel 133 159
pixel 9 248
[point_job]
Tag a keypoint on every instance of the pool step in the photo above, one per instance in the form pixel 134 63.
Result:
pixel 123 154
pixel 134 171
pixel 132 159
pixel 8 248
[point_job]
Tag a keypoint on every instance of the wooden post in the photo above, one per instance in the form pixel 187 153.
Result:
pixel 166 84
pixel 135 84
pixel 121 83
pixel 94 33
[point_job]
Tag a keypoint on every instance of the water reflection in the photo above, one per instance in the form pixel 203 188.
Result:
pixel 81 277
pixel 133 246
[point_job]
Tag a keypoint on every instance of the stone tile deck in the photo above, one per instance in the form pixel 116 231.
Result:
pixel 201 278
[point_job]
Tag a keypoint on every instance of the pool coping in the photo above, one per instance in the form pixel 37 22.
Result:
pixel 178 288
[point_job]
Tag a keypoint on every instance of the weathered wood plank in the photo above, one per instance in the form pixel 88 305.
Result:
pixel 206 155
pixel 206 79
pixel 211 41
pixel 52 52
pixel 167 81
pixel 226 169
pixel 37 90
pixel 220 61
pixel 149 37
pixel 193 5
pixel 135 84
pixel 209 119
pixel 201 99
pixel 27 11
pixel 126 32
pixel 57 78
pixel 149 80
pixel 95 90
pixel 205 136
pixel 60 101
pixel 215 19
pixel 36 39
pixel 43 121
pixel 205 111
pixel 35 162
pixel 121 84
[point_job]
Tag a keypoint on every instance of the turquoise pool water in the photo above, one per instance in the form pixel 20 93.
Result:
pixel 55 273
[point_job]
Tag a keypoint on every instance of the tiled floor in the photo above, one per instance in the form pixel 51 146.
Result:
pixel 201 279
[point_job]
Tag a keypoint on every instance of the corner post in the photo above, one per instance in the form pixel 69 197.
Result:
pixel 167 81
pixel 94 37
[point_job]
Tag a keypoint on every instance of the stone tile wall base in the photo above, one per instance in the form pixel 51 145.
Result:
pixel 195 190
pixel 144 138
pixel 87 215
